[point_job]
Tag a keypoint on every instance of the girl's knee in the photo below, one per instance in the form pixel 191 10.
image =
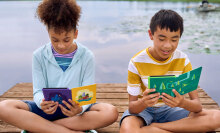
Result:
pixel 4 106
pixel 10 104
pixel 112 112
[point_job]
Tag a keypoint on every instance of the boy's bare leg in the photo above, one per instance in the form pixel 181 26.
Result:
pixel 100 115
pixel 17 113
pixel 133 124
pixel 206 120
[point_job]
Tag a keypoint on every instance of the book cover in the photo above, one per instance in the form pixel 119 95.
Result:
pixel 183 83
pixel 57 94
pixel 83 95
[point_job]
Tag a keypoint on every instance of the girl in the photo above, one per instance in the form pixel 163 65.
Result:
pixel 61 63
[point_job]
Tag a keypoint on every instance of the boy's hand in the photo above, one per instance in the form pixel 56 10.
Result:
pixel 73 108
pixel 49 107
pixel 173 101
pixel 150 99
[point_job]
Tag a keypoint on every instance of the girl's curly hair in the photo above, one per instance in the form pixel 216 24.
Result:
pixel 59 14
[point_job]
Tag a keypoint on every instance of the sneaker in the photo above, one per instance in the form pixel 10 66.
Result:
pixel 24 131
pixel 91 131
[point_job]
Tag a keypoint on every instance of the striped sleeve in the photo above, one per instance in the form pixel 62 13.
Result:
pixel 187 66
pixel 134 80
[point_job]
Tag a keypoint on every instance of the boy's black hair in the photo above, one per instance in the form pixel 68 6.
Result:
pixel 168 19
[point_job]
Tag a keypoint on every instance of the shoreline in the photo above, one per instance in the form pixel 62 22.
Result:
pixel 200 1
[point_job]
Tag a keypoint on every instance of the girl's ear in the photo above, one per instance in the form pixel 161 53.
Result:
pixel 150 34
pixel 76 34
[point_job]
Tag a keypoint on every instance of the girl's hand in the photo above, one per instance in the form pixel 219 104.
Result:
pixel 73 108
pixel 49 107
pixel 173 101
pixel 150 99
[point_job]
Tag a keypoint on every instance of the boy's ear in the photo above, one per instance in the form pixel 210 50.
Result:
pixel 150 34
pixel 75 34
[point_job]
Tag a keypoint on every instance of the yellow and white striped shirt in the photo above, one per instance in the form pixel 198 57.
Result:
pixel 143 65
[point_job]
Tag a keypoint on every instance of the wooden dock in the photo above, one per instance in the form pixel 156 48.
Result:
pixel 115 94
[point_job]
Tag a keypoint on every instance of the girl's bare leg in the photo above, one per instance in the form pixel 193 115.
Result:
pixel 100 115
pixel 17 113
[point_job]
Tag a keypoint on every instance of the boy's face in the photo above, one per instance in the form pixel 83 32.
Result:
pixel 165 43
pixel 63 42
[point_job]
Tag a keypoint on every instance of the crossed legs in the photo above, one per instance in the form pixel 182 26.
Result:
pixel 133 124
pixel 17 113
pixel 206 120
pixel 100 115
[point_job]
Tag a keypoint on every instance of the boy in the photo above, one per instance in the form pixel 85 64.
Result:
pixel 61 63
pixel 205 3
pixel 148 113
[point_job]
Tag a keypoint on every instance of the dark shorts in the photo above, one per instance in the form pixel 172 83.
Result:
pixel 159 114
pixel 51 117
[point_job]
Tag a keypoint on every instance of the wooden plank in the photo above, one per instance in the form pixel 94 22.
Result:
pixel 104 86
pixel 22 87
pixel 100 88
pixel 113 85
pixel 14 98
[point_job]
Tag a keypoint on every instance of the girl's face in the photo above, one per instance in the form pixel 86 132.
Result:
pixel 63 42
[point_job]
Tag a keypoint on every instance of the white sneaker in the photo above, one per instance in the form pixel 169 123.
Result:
pixel 91 131
pixel 24 131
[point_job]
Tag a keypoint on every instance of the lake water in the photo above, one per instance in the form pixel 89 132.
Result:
pixel 114 31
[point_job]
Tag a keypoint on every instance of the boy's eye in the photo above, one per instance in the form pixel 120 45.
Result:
pixel 161 39
pixel 55 41
pixel 174 40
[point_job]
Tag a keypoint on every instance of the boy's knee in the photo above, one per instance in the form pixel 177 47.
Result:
pixel 216 119
pixel 127 128
pixel 213 120
pixel 131 124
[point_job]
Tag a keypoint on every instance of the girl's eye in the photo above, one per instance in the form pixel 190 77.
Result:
pixel 66 40
pixel 55 41
pixel 174 40
pixel 161 39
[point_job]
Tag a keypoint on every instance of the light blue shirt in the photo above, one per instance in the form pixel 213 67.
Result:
pixel 47 73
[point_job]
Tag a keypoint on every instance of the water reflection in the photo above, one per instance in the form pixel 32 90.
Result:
pixel 201 35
